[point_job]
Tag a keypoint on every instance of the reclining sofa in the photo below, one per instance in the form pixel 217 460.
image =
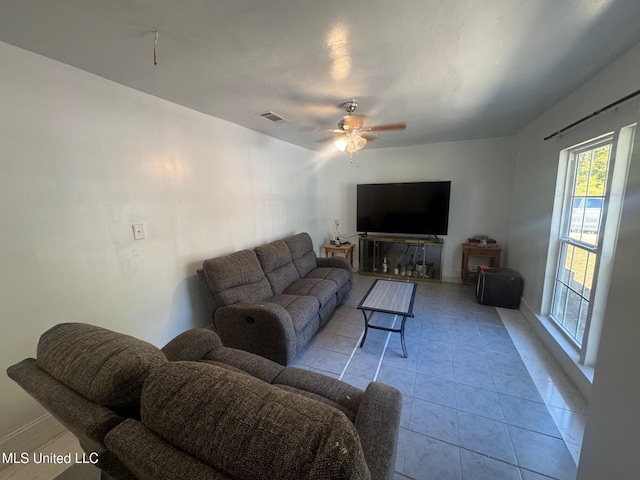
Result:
pixel 198 410
pixel 271 300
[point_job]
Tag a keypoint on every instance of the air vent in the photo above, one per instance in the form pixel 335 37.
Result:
pixel 274 117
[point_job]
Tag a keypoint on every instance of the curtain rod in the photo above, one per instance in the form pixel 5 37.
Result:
pixel 597 112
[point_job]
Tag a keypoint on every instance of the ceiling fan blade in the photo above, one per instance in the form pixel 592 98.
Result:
pixel 331 138
pixel 320 129
pixel 388 126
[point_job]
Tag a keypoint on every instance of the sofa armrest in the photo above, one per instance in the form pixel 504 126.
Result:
pixel 378 425
pixel 88 421
pixel 335 262
pixel 191 345
pixel 265 329
pixel 206 291
pixel 149 456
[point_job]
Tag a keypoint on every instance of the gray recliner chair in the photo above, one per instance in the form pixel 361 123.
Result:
pixel 199 410
pixel 90 379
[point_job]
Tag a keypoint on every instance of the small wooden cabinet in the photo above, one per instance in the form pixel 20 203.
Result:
pixel 491 252
pixel 401 258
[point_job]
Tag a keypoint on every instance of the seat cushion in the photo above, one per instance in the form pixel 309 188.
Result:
pixel 247 428
pixel 302 253
pixel 237 278
pixel 338 275
pixel 323 290
pixel 277 264
pixel 106 367
pixel 301 309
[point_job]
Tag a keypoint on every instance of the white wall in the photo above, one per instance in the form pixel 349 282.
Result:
pixel 613 424
pixel 480 171
pixel 82 160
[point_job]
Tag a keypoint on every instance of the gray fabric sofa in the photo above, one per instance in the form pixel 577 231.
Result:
pixel 90 379
pixel 199 410
pixel 271 300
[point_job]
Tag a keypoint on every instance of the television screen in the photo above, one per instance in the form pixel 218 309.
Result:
pixel 420 208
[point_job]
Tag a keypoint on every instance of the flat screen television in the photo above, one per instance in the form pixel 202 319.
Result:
pixel 418 208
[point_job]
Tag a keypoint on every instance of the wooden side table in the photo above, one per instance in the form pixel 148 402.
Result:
pixel 346 250
pixel 490 251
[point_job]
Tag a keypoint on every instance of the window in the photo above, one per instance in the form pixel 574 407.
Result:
pixel 592 177
pixel 585 191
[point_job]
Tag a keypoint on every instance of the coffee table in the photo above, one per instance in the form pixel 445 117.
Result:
pixel 392 297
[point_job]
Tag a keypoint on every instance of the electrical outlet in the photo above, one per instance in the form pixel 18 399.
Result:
pixel 138 231
pixel 337 222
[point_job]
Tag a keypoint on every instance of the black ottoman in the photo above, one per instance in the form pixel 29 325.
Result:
pixel 500 287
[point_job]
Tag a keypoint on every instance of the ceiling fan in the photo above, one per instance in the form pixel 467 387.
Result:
pixel 352 134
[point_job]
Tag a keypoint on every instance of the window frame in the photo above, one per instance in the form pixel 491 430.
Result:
pixel 622 140
pixel 564 239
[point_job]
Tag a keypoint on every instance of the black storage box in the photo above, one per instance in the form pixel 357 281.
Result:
pixel 500 287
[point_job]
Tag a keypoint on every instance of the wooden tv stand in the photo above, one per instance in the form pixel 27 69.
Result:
pixel 406 257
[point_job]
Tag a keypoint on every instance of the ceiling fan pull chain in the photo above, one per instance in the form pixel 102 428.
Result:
pixel 155 46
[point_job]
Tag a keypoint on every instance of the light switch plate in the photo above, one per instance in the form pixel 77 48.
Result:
pixel 138 231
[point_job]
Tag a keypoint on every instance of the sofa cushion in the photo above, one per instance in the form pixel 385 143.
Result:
pixel 106 367
pixel 249 429
pixel 300 308
pixel 339 275
pixel 236 278
pixel 323 290
pixel 277 264
pixel 302 253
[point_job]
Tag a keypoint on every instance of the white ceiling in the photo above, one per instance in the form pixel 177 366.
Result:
pixel 450 69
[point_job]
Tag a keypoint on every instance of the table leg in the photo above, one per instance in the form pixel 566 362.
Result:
pixel 404 347
pixel 366 326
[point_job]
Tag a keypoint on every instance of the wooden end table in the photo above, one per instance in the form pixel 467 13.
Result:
pixel 346 250
pixel 490 251
pixel 388 296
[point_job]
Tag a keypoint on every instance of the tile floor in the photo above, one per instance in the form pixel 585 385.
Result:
pixel 482 398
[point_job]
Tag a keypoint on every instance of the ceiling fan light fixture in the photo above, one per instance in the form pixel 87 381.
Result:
pixel 342 143
pixel 349 128
pixel 359 142
pixel 351 142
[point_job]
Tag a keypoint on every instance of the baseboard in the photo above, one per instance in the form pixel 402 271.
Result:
pixel 31 436
pixel 451 278
pixel 562 350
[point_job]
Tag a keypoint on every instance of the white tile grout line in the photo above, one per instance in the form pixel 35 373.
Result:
pixel 386 343
pixel 355 349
